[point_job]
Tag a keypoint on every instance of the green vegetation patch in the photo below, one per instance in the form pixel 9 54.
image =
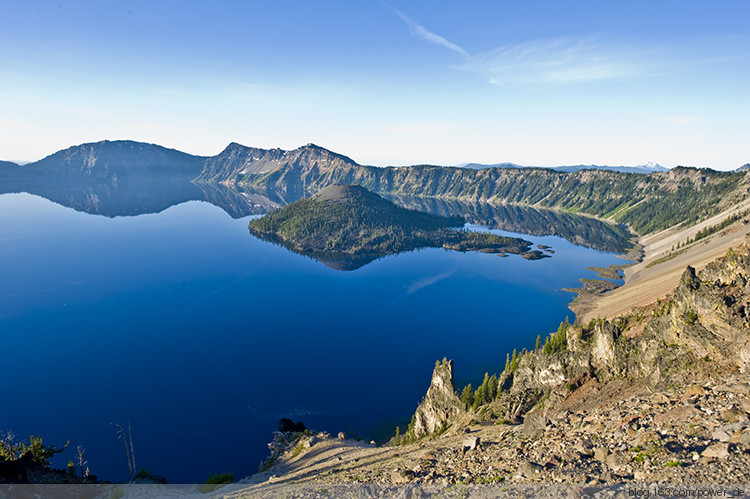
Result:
pixel 215 481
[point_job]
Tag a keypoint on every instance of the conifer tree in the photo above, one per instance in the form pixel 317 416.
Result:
pixel 491 390
pixel 514 361
pixel 478 398
pixel 467 396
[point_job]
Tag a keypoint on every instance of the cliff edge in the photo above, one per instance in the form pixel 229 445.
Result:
pixel 660 395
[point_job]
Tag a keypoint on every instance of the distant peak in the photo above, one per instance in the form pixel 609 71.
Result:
pixel 310 147
pixel 234 146
pixel 651 165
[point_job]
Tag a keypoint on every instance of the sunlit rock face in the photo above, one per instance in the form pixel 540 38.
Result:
pixel 441 404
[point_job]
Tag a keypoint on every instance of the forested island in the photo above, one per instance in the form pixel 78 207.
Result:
pixel 347 226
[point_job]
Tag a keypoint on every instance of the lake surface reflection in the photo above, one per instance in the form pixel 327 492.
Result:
pixel 202 336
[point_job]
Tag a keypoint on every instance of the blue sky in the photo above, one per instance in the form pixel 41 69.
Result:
pixel 533 82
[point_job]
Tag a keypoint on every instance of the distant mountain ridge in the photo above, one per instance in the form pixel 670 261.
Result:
pixel 235 163
pixel 646 168
pixel 647 203
pixel 120 157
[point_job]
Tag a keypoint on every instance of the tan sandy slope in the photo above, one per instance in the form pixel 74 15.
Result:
pixel 645 281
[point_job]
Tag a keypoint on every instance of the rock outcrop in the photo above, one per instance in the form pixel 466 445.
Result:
pixel 704 323
pixel 441 405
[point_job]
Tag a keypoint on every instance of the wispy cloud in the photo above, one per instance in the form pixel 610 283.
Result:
pixel 558 60
pixel 428 281
pixel 423 33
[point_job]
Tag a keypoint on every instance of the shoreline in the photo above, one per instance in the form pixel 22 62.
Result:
pixel 657 270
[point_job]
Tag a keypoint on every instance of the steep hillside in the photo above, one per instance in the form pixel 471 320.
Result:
pixel 236 161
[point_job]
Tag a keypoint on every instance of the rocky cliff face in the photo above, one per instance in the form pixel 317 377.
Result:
pixel 710 312
pixel 704 324
pixel 703 327
pixel 441 405
pixel 237 161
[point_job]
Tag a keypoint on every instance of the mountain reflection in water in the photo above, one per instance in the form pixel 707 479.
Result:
pixel 135 195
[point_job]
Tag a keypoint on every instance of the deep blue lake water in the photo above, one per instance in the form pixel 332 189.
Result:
pixel 202 336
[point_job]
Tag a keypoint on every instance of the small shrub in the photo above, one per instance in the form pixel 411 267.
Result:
pixel 297 450
pixel 286 425
pixel 691 317
pixel 215 481
pixel 220 479
pixel 266 465
pixel 40 453
pixel 143 473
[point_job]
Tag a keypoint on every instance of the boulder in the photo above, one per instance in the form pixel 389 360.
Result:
pixel 617 460
pixel 471 443
pixel 585 448
pixel 534 425
pixel 527 469
pixel 646 437
pixel 399 477
pixel 717 451
pixel 601 454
